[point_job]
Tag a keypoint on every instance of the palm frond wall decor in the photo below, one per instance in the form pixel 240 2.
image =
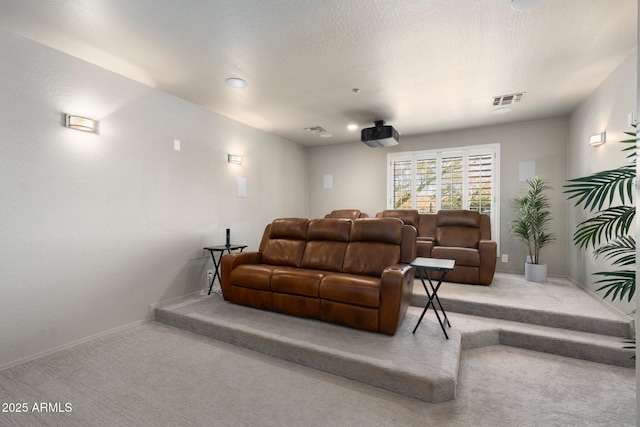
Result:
pixel 608 195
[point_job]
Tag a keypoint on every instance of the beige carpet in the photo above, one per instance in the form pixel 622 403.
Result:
pixel 157 375
pixel 423 365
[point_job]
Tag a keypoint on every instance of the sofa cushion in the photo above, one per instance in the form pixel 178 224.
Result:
pixel 351 289
pixel 287 239
pixel 463 256
pixel 326 245
pixel 254 276
pixel 299 281
pixel 464 237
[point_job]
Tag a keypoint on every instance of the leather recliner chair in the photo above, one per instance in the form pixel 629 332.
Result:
pixel 465 237
pixel 461 235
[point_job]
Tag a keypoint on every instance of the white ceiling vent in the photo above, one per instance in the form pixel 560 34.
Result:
pixel 507 99
pixel 316 129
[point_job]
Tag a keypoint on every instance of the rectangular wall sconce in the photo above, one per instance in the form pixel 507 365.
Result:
pixel 80 123
pixel 598 139
pixel 235 159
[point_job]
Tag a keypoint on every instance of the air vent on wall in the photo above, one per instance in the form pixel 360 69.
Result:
pixel 507 99
pixel 316 129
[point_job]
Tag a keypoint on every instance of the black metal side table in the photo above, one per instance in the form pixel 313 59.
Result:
pixel 424 266
pixel 216 263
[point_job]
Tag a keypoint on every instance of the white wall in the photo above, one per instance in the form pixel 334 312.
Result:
pixel 606 109
pixel 360 177
pixel 95 228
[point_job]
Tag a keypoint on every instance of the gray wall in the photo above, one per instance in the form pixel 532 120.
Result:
pixel 360 177
pixel 559 147
pixel 95 228
pixel 606 109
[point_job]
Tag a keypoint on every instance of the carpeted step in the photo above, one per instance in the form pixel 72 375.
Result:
pixel 557 304
pixel 423 365
pixel 480 332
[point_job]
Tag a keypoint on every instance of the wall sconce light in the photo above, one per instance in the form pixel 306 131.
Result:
pixel 80 123
pixel 598 139
pixel 235 159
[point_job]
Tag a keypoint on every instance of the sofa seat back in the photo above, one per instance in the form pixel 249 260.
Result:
pixel 327 241
pixel 374 245
pixel 408 216
pixel 346 213
pixel 286 242
pixel 458 228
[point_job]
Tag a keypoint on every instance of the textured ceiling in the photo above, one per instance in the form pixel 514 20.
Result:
pixel 421 65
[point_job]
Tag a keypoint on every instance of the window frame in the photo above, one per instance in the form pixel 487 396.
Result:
pixel 438 154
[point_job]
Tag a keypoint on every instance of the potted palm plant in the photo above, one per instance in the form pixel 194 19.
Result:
pixel 531 226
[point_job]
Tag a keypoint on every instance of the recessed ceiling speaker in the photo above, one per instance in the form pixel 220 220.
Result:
pixel 380 135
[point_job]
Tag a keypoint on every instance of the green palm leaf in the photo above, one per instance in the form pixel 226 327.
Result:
pixel 632 144
pixel 607 224
pixel 618 283
pixel 621 250
pixel 595 190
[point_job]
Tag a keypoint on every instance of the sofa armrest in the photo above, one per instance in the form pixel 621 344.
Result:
pixel 488 253
pixel 424 247
pixel 231 261
pixel 396 288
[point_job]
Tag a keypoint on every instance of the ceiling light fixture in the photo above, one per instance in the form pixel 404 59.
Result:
pixel 598 139
pixel 352 127
pixel 80 123
pixel 236 82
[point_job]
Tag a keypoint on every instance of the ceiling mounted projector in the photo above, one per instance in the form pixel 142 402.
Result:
pixel 380 135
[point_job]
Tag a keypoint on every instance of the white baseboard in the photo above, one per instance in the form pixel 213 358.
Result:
pixel 601 300
pixel 148 319
pixel 72 344
pixel 159 304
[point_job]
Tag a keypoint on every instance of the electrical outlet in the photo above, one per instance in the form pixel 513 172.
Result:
pixel 505 258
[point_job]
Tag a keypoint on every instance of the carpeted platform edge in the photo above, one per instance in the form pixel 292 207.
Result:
pixel 429 388
pixel 531 316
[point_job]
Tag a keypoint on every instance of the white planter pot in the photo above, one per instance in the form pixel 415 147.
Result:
pixel 535 272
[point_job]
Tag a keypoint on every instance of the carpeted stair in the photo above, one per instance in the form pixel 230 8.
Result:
pixel 557 317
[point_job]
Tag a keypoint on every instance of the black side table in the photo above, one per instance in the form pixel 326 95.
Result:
pixel 216 263
pixel 424 265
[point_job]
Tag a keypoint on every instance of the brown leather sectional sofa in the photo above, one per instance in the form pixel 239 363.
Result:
pixel 461 235
pixel 350 272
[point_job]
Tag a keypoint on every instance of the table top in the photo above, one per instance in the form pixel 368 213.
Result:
pixel 433 264
pixel 225 247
